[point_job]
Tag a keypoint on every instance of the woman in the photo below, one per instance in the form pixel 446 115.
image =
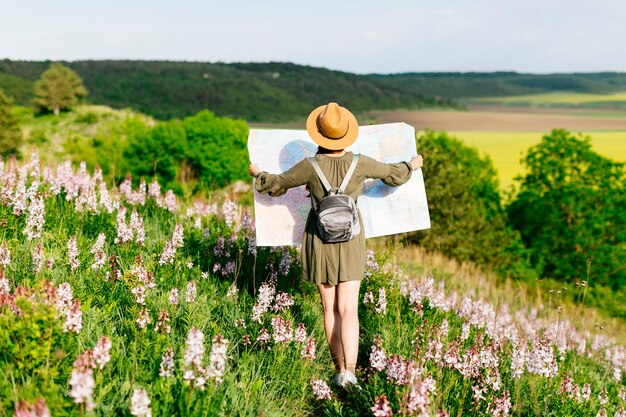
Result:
pixel 336 268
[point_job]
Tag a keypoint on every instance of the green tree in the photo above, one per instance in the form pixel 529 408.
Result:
pixel 59 88
pixel 468 222
pixel 10 133
pixel 217 148
pixel 571 207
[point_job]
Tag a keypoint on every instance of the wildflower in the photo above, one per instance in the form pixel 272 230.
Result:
pixel 282 302
pixel 5 254
pixel 264 336
pixel 229 268
pixel 72 253
pixel 465 330
pixel 38 258
pixel 162 324
pixel 101 352
pixel 173 296
pixel 4 284
pixel 190 295
pixel 25 409
pixel 140 403
pixel 541 359
pixel 81 380
pixel 166 369
pixel 308 350
pixel 417 399
pixel 232 291
pixel 246 340
pixel 124 233
pixel 381 407
pixel 73 318
pixel 217 358
pixel 285 262
pixel 381 305
pixel 518 360
pixel 300 333
pixel 189 264
pixel 98 253
pixel 154 189
pixel 229 211
pixel 136 226
pixel 378 358
pixel 397 370
pixel 218 250
pixel 144 318
pixel 283 331
pixel 36 218
pixel 264 300
pixel 140 294
pixel 64 296
pixel 370 262
pixel 321 390
pixel 501 406
pixel 169 202
pixel 240 323
pixel 193 357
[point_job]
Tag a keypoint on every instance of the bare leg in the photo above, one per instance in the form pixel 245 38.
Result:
pixel 348 300
pixel 332 324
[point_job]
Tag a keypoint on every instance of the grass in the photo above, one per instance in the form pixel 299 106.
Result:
pixel 506 148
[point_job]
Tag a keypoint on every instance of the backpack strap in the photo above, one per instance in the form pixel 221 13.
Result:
pixel 346 179
pixel 320 174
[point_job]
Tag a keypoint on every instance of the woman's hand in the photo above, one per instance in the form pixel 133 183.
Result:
pixel 254 170
pixel 417 162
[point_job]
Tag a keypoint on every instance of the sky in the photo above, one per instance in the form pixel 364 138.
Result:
pixel 363 36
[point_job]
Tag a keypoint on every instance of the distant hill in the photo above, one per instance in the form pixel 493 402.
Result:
pixel 270 92
pixel 255 92
pixel 474 84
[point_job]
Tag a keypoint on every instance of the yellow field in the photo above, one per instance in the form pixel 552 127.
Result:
pixel 506 148
pixel 556 98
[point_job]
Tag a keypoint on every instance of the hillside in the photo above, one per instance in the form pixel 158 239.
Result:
pixel 130 298
pixel 255 92
pixel 275 92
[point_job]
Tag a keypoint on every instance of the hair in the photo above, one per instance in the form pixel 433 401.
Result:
pixel 321 150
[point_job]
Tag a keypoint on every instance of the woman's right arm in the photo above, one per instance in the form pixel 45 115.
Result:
pixel 277 184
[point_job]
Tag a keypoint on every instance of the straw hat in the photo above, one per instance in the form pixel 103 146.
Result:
pixel 332 127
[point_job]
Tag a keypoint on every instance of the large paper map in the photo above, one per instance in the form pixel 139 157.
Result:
pixel 385 210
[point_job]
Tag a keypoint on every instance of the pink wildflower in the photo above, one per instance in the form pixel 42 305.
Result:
pixel 5 255
pixel 321 390
pixel 217 358
pixel 308 350
pixel 98 253
pixel 173 297
pixel 140 403
pixel 73 318
pixel 283 331
pixel 166 369
pixel 162 324
pixel 300 333
pixel 101 352
pixel 38 258
pixel 381 407
pixel 264 300
pixel 264 336
pixel 25 409
pixel 36 219
pixel 136 226
pixel 190 295
pixel 72 253
pixel 144 318
pixel 378 357
pixel 282 302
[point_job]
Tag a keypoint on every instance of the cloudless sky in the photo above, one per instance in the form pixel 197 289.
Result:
pixel 357 36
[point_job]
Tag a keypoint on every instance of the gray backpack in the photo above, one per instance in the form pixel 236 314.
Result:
pixel 337 214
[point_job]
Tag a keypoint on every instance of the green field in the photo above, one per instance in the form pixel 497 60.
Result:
pixel 565 99
pixel 506 148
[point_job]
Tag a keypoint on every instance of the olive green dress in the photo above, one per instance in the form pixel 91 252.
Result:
pixel 330 263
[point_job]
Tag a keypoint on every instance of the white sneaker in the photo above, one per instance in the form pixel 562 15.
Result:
pixel 350 379
pixel 338 379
